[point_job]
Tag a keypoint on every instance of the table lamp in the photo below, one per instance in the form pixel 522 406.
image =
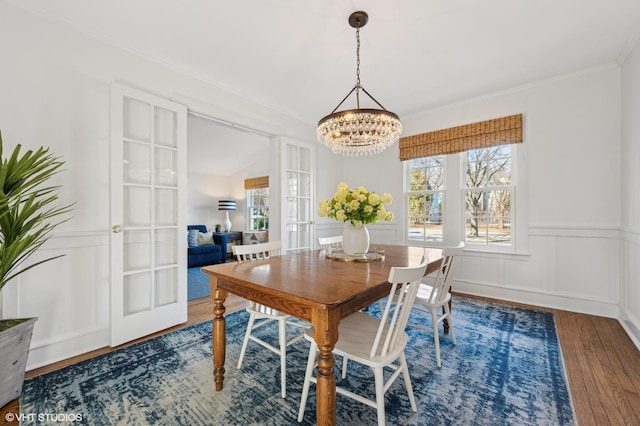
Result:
pixel 227 206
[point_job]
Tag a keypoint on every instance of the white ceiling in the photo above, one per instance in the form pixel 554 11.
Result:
pixel 299 56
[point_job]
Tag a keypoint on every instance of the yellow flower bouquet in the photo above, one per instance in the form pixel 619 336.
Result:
pixel 358 206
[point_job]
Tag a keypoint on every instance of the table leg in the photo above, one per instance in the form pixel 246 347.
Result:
pixel 219 332
pixel 325 324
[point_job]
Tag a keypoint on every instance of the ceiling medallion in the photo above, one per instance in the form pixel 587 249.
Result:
pixel 354 132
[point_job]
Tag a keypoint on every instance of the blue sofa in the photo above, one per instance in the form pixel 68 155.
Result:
pixel 207 254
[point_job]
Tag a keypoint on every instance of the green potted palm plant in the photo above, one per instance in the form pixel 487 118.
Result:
pixel 28 214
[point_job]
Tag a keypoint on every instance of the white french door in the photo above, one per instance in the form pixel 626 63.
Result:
pixel 148 213
pixel 298 159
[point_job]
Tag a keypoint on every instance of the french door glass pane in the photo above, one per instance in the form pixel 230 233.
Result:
pixel 136 250
pixel 292 184
pixel 165 247
pixel 292 157
pixel 165 291
pixel 165 127
pixel 166 207
pixel 303 235
pixel 304 185
pixel 292 235
pixel 137 293
pixel 304 210
pixel 141 199
pixel 165 167
pixel 135 165
pixel 292 209
pixel 137 120
pixel 305 160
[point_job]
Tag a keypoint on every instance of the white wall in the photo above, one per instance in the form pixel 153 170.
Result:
pixel 204 191
pixel 55 86
pixel 630 189
pixel 572 133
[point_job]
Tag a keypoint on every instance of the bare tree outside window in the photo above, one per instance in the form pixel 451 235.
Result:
pixel 488 195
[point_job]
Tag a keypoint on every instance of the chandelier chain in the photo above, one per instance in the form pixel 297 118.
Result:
pixel 358 56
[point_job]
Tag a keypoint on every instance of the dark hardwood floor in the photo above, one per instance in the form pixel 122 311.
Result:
pixel 601 361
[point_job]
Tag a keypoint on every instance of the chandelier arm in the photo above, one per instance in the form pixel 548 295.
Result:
pixel 345 98
pixel 372 98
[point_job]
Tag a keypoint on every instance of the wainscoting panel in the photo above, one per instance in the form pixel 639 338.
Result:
pixel 69 295
pixel 576 269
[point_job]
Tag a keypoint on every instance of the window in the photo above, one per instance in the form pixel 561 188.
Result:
pixel 425 198
pixel 258 208
pixel 488 195
pixel 467 196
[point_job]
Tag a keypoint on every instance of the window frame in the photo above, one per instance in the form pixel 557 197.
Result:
pixel 512 186
pixel 251 206
pixel 454 208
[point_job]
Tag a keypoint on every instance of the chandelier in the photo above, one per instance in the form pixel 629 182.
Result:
pixel 359 131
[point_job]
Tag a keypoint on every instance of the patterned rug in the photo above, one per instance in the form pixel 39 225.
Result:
pixel 506 370
pixel 197 284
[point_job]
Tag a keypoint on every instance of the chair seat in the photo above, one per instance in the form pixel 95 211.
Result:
pixel 260 315
pixel 432 297
pixel 423 296
pixel 378 343
pixel 356 332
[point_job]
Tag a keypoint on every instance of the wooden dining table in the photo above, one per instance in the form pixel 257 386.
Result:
pixel 314 287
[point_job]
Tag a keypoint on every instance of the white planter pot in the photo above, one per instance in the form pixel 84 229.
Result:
pixel 14 350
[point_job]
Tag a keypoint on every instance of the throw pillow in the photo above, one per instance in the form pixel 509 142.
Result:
pixel 205 238
pixel 192 238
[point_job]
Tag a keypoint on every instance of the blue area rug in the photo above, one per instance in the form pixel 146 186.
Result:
pixel 506 370
pixel 197 284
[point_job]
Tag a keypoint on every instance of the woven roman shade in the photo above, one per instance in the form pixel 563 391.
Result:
pixel 499 131
pixel 258 182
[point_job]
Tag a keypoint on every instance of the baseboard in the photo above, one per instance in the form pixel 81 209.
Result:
pixel 537 297
pixel 44 353
pixel 631 326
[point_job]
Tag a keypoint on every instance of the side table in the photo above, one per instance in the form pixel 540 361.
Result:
pixel 233 238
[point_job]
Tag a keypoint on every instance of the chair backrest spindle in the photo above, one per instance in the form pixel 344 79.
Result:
pixel 250 252
pixel 443 279
pixel 405 284
pixel 330 242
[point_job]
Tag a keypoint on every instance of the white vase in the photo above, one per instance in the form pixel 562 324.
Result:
pixel 355 240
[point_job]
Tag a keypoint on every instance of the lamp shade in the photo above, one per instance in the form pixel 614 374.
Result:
pixel 228 205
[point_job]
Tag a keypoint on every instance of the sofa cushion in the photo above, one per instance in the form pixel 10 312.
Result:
pixel 205 238
pixel 192 238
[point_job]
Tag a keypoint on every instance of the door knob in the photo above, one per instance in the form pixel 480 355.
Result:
pixel 116 228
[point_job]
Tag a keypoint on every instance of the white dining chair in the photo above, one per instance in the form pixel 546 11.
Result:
pixel 436 297
pixel 334 242
pixel 261 315
pixel 375 342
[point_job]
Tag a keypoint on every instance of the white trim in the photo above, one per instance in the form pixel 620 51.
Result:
pixel 538 297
